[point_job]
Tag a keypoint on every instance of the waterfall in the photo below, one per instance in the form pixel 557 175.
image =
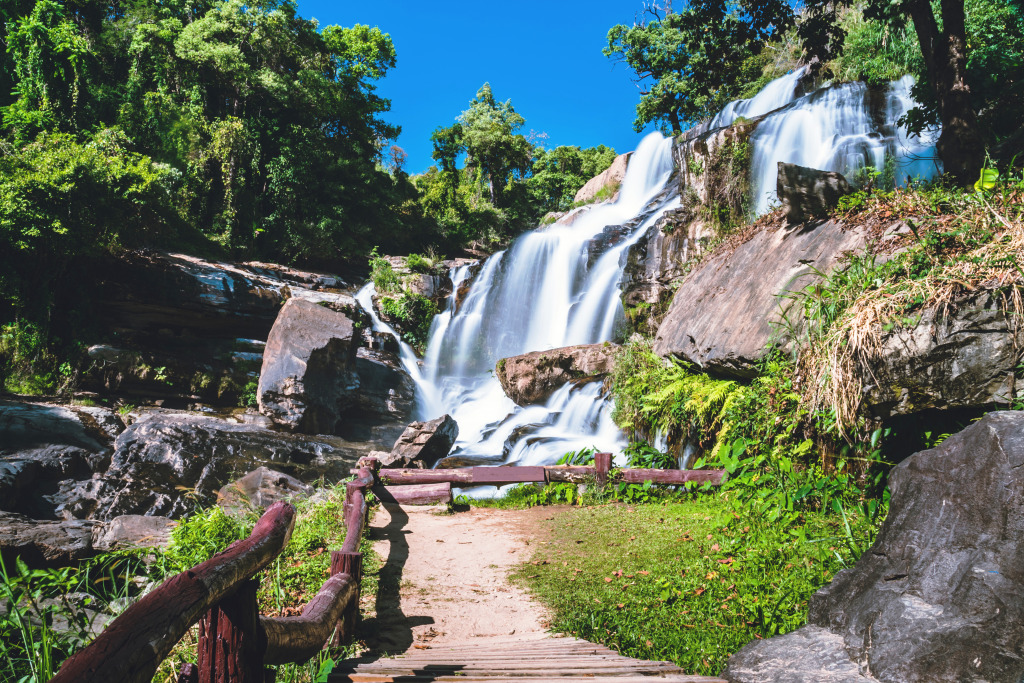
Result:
pixel 558 285
pixel 841 128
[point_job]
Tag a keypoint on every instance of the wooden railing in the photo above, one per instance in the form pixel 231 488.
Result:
pixel 235 642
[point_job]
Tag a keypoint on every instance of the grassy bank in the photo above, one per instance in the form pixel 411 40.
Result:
pixel 689 581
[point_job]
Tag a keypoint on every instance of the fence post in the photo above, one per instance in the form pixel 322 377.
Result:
pixel 603 463
pixel 231 643
pixel 351 564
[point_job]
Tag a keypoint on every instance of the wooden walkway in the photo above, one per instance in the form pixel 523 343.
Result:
pixel 493 660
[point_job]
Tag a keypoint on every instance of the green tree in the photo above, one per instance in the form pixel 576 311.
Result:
pixel 688 64
pixel 495 150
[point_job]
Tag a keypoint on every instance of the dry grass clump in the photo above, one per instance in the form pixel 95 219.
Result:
pixel 960 242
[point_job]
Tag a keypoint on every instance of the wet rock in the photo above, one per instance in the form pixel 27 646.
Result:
pixel 937 597
pixel 964 356
pixel 808 193
pixel 531 378
pixel 728 309
pixel 166 463
pixel 261 488
pixel 42 445
pixel 42 543
pixel 308 377
pixel 133 531
pixel 422 444
pixel 516 436
pixel 383 402
pixel 457 461
pixel 611 176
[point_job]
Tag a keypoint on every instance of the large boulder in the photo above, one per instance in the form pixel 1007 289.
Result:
pixel 938 596
pixel 167 463
pixel 309 375
pixel 422 444
pixel 533 377
pixel 727 310
pixel 44 543
pixel 965 354
pixel 611 176
pixel 808 193
pixel 383 402
pixel 42 445
pixel 133 531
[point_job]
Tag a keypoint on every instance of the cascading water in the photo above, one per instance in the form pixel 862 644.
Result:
pixel 841 128
pixel 559 285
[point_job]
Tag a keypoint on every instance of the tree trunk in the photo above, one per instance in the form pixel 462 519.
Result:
pixel 960 145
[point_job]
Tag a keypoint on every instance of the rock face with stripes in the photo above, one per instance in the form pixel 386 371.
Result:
pixel 526 660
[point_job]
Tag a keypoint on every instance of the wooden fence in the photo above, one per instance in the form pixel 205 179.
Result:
pixel 235 641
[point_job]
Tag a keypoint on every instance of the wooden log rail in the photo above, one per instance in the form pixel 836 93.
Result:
pixel 235 642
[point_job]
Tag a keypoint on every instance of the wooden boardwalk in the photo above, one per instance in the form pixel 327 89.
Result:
pixel 522 660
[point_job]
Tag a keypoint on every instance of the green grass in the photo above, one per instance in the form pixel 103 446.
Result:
pixel 687 582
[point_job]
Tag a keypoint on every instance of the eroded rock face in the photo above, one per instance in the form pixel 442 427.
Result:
pixel 44 543
pixel 808 193
pixel 133 531
pixel 533 377
pixel 422 444
pixel 725 312
pixel 611 175
pixel 42 445
pixel 308 377
pixel 937 597
pixel 166 463
pixel 967 357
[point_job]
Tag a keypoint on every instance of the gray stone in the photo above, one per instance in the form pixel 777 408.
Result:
pixel 308 378
pixel 45 543
pixel 808 655
pixel 133 531
pixel 728 309
pixel 422 444
pixel 938 596
pixel 808 193
pixel 167 463
pixel 261 488
pixel 613 175
pixel 963 355
pixel 531 378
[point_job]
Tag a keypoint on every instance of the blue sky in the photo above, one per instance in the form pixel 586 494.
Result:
pixel 545 56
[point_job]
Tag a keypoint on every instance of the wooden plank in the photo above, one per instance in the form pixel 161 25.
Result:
pixel 131 648
pixel 230 644
pixel 413 476
pixel 415 494
pixel 499 476
pixel 638 476
pixel 297 639
pixel 603 464
pixel 576 474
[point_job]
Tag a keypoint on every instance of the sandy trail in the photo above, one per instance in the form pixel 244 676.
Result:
pixel 445 581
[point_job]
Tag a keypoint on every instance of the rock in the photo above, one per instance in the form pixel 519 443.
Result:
pixel 457 461
pixel 728 309
pixel 166 463
pixel 808 193
pixel 937 597
pixel 42 445
pixel 308 377
pixel 967 358
pixel 422 444
pixel 383 402
pixel 261 488
pixel 612 175
pixel 532 377
pixel 808 655
pixel 654 262
pixel 133 531
pixel 44 543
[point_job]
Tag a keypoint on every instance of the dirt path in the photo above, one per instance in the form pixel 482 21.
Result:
pixel 445 577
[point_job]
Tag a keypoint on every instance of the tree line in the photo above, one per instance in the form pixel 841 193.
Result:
pixel 235 129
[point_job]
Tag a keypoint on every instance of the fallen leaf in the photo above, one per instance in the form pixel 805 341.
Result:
pixel 716 548
pixel 607 579
pixel 644 572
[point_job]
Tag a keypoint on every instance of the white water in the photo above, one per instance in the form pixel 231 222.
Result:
pixel 547 291
pixel 832 129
